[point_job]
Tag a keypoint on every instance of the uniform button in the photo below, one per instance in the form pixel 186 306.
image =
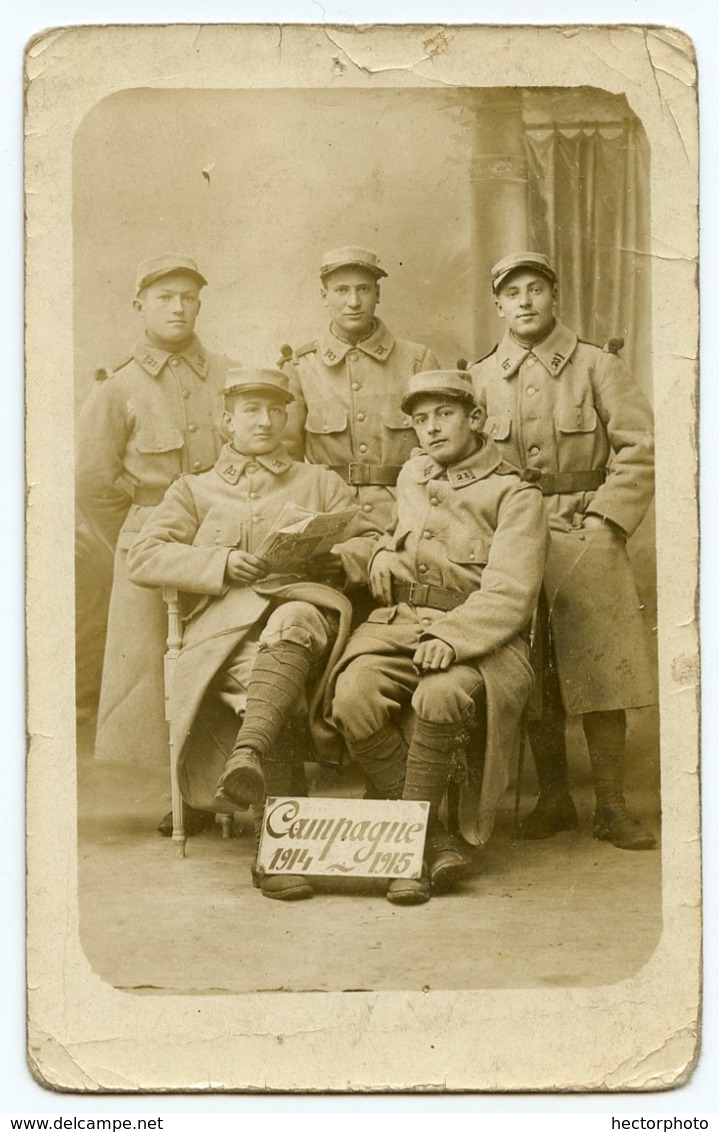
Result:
pixel 531 391
pixel 534 450
pixel 192 428
pixel 353 355
pixel 356 385
pixel 251 468
pixel 363 448
pixel 256 518
pixel 253 495
pixel 197 465
pixel 425 620
pixel 174 360
pixel 531 360
pixel 361 416
pixel 186 393
pixel 427 534
pixel 434 501
pixel 366 506
pixel 423 569
pixel 471 556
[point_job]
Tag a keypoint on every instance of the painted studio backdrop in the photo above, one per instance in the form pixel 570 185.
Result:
pixel 255 184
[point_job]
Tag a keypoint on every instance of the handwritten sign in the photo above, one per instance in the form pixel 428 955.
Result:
pixel 343 837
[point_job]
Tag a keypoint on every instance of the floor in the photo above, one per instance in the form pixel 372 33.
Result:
pixel 530 914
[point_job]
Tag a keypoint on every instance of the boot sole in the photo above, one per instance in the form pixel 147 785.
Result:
pixel 411 893
pixel 541 833
pixel 299 890
pixel 648 842
pixel 445 875
pixel 243 787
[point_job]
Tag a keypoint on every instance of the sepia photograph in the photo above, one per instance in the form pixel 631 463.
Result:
pixel 376 665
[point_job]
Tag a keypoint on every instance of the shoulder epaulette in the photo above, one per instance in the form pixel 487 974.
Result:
pixel 485 356
pixel 586 342
pixel 505 469
pixel 308 348
pixel 103 372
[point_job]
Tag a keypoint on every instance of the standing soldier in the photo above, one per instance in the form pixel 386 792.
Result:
pixel 569 414
pixel 143 425
pixel 349 383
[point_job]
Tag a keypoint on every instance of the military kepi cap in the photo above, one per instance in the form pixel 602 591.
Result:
pixel 258 380
pixel 533 261
pixel 454 383
pixel 351 256
pixel 152 269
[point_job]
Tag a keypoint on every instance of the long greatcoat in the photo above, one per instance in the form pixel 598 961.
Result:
pixel 348 407
pixel 566 406
pixel 150 421
pixel 478 528
pixel 186 542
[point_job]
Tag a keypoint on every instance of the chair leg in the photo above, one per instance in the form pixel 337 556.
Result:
pixel 179 835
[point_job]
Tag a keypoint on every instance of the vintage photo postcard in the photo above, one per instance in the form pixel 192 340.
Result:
pixel 362 549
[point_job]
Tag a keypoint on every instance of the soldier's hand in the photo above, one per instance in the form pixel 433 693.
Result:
pixel 326 567
pixel 244 567
pixel 433 656
pixel 380 577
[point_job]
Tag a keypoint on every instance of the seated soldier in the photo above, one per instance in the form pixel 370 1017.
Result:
pixel 459 580
pixel 253 639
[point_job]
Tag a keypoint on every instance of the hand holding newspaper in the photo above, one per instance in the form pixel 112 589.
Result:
pixel 301 535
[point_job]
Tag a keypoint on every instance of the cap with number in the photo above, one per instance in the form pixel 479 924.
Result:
pixel 155 268
pixel 532 261
pixel 351 256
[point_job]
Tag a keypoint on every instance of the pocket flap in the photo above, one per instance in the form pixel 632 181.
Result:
pixel 498 428
pixel 331 417
pixel 160 438
pixel 395 418
pixel 469 552
pixel 582 418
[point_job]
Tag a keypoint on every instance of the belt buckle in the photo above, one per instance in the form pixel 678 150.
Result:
pixel 417 592
pixel 356 474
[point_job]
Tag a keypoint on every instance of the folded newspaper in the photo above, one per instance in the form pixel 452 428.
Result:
pixel 301 535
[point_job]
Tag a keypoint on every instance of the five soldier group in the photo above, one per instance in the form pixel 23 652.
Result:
pixel 507 523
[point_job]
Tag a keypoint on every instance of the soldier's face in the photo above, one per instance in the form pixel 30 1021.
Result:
pixel 255 422
pixel 447 429
pixel 169 307
pixel 526 301
pixel 351 296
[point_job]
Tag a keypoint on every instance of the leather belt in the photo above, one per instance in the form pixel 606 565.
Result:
pixel 364 475
pixel 565 483
pixel 431 597
pixel 148 496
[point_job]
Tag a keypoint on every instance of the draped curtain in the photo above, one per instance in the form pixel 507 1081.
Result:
pixel 588 209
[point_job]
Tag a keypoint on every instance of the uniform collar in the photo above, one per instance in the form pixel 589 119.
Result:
pixel 232 465
pixel 553 352
pixel 378 346
pixel 153 358
pixel 476 467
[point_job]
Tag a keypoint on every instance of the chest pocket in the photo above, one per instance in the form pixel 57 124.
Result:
pixel 499 428
pixel 396 419
pixel 328 418
pixel 468 551
pixel 158 439
pixel 581 418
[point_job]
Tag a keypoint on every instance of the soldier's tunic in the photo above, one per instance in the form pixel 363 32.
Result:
pixel 476 528
pixel 347 413
pixel 186 543
pixel 153 419
pixel 571 414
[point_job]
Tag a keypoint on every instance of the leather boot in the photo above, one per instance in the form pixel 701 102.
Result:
pixel 605 732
